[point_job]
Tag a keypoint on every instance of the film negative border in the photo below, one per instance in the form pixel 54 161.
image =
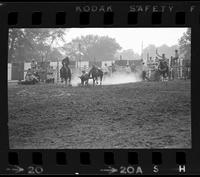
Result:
pixel 103 162
pixel 100 14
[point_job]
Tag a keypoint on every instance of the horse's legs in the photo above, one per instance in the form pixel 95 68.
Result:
pixel 86 83
pixel 97 80
pixel 164 76
pixel 82 82
pixel 161 77
pixel 69 81
pixel 101 80
pixel 167 76
pixel 93 81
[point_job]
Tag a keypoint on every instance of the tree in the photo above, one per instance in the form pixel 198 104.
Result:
pixel 17 42
pixel 92 47
pixel 185 44
pixel 33 43
pixel 128 55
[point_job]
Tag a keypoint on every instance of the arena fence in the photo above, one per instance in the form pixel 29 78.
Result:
pixel 181 70
pixel 17 71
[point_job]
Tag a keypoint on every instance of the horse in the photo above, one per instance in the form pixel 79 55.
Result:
pixel 163 69
pixel 96 73
pixel 65 74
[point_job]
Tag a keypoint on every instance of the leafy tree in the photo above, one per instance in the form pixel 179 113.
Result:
pixel 17 44
pixel 128 54
pixel 31 43
pixel 185 44
pixel 92 47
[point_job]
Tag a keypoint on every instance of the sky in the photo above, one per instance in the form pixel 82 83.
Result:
pixel 131 38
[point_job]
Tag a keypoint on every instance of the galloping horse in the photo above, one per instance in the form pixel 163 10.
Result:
pixel 65 74
pixel 96 73
pixel 163 69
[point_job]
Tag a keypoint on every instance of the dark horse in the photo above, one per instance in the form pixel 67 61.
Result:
pixel 163 69
pixel 96 73
pixel 65 74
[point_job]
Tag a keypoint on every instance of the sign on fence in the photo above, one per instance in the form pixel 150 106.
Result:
pixel 17 71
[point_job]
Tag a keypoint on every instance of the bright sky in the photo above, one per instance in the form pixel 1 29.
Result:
pixel 131 38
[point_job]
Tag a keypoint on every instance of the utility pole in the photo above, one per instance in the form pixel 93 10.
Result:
pixel 148 56
pixel 142 50
pixel 79 47
pixel 57 69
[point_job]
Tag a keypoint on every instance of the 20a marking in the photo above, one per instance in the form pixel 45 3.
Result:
pixel 130 170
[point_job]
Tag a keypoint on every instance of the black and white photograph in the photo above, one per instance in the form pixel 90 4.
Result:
pixel 99 88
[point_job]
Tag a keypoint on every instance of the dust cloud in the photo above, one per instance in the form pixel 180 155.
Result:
pixel 76 81
pixel 121 78
pixel 113 79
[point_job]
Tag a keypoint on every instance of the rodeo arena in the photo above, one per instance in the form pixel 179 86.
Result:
pixel 100 104
pixel 159 68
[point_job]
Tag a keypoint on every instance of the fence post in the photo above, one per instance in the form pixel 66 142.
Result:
pixel 181 68
pixel 57 69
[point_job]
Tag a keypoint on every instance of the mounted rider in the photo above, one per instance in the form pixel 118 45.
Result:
pixel 163 66
pixel 65 72
pixel 93 69
pixel 65 61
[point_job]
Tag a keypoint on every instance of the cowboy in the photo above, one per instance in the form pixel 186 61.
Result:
pixel 163 57
pixel 128 69
pixel 65 61
pixel 94 67
pixel 113 67
pixel 50 74
pixel 83 73
pixel 105 69
pixel 84 78
pixel 33 65
pixel 133 67
pixel 30 77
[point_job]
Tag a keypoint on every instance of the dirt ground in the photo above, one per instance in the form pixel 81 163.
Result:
pixel 134 115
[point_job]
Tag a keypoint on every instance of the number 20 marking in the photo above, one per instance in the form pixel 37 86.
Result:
pixel 35 170
pixel 125 170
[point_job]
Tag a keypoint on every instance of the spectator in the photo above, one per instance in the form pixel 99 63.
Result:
pixel 144 72
pixel 33 65
pixel 50 75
